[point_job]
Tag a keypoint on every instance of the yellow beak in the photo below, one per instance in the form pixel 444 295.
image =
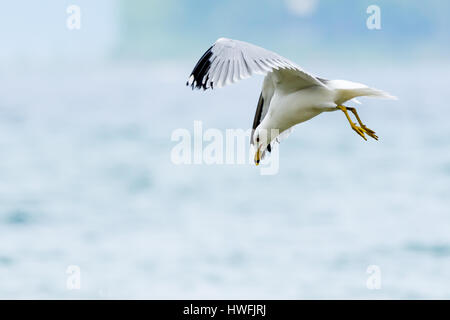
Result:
pixel 257 157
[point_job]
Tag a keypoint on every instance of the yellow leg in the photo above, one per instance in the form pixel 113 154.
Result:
pixel 358 130
pixel 369 132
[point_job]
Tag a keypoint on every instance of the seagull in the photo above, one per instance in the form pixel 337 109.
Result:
pixel 289 94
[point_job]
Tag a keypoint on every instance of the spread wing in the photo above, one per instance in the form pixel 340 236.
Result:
pixel 229 61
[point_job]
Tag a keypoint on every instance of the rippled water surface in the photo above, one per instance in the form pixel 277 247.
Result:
pixel 86 179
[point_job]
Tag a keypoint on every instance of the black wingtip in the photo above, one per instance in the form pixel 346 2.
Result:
pixel 201 70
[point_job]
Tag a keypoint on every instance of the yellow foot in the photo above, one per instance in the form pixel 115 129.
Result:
pixel 358 130
pixel 370 132
pixel 362 127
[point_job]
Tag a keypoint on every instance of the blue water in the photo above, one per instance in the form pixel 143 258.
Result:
pixel 86 179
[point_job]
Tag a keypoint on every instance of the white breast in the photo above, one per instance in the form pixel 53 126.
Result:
pixel 290 108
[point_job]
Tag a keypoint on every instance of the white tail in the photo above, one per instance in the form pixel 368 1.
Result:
pixel 346 90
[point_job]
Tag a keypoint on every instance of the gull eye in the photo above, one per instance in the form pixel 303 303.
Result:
pixel 257 139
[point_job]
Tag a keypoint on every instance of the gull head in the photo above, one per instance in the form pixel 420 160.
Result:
pixel 260 143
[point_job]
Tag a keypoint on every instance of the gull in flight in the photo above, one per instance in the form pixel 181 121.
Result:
pixel 289 94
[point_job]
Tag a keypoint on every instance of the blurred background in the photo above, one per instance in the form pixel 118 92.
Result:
pixel 86 177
